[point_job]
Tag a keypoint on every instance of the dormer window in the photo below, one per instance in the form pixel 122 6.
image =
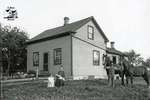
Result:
pixel 90 32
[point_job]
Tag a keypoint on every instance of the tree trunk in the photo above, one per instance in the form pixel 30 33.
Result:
pixel 9 62
pixel 1 67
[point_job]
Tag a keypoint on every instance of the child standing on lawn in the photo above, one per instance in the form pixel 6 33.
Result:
pixel 51 81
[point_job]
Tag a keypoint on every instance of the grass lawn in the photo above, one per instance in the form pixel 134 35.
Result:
pixel 75 90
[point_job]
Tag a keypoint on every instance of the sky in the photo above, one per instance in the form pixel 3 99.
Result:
pixel 124 21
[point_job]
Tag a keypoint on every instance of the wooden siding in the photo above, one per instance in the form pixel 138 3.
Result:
pixel 83 60
pixel 83 53
pixel 49 46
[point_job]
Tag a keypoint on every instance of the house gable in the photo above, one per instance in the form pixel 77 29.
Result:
pixel 98 38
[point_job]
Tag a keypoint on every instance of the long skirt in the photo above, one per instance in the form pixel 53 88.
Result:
pixel 59 82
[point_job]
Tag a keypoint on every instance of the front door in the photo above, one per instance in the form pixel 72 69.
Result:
pixel 45 61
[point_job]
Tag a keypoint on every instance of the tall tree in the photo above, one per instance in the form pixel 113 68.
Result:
pixel 13 46
pixel 134 58
pixel 147 62
pixel 1 33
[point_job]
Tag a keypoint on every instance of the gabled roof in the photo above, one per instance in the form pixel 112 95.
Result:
pixel 114 51
pixel 72 27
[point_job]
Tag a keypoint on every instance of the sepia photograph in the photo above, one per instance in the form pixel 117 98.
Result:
pixel 74 50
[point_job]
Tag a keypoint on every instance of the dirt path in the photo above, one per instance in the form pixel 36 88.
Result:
pixel 18 83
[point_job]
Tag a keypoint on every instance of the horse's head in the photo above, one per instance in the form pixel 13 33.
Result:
pixel 127 64
pixel 106 60
pixel 131 65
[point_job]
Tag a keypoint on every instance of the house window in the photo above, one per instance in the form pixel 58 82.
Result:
pixel 35 58
pixel 103 59
pixel 96 57
pixel 57 56
pixel 90 32
pixel 114 60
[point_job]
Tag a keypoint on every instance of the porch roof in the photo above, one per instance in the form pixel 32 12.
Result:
pixel 114 51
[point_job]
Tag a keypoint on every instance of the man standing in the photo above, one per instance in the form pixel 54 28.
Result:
pixel 111 75
pixel 110 71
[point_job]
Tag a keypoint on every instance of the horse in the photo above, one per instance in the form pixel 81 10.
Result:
pixel 131 71
pixel 118 68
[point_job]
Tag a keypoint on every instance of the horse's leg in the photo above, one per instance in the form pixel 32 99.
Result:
pixel 146 78
pixel 127 79
pixel 108 76
pixel 122 78
pixel 131 79
pixel 109 81
pixel 113 82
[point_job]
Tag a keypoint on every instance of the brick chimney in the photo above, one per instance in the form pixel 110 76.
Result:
pixel 66 20
pixel 112 44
